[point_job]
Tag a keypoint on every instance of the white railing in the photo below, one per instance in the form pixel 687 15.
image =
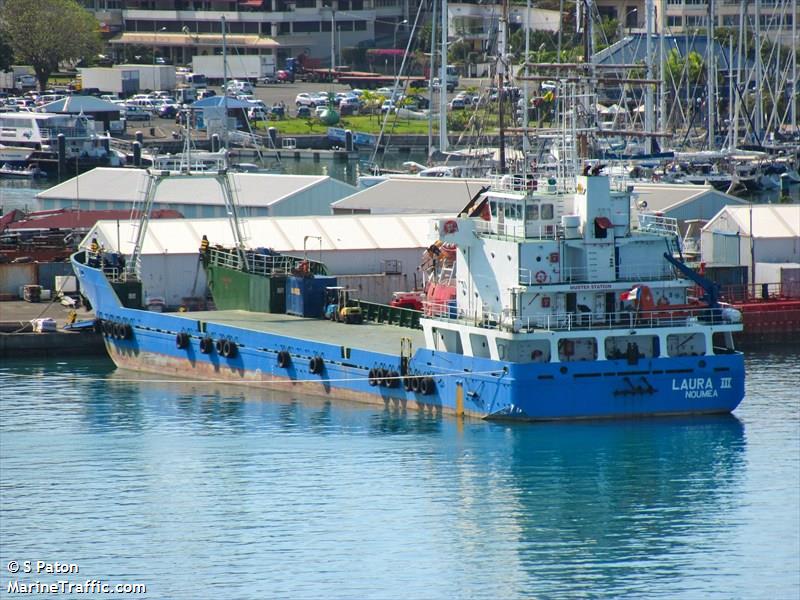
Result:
pixel 578 321
pixel 517 230
pixel 627 272
pixel 658 224
pixel 261 264
pixel 51 133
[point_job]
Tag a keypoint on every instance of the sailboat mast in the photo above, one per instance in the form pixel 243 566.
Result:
pixel 662 76
pixel 759 117
pixel 793 94
pixel 525 141
pixel 225 79
pixel 739 54
pixel 430 80
pixel 711 75
pixel 730 92
pixel 649 109
pixel 443 84
pixel 501 72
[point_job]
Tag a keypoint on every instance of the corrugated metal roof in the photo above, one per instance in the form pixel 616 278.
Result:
pixel 665 196
pixel 128 185
pixel 413 195
pixel 81 219
pixel 80 104
pixel 285 234
pixel 769 220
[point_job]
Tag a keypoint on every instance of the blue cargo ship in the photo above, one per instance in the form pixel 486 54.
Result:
pixel 563 306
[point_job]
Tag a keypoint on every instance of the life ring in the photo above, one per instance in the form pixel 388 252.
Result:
pixel 315 365
pixel 372 378
pixel 229 349
pixel 427 386
pixel 182 340
pixel 284 359
pixel 540 277
pixel 450 226
pixel 206 344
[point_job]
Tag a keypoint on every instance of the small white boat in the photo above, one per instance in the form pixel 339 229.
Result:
pixel 10 171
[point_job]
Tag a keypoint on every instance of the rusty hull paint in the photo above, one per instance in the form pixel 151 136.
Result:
pixel 151 362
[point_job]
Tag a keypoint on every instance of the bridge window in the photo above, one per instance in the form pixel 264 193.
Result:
pixel 686 344
pixel 632 347
pixel 533 212
pixel 577 349
pixel 480 345
pixel 547 212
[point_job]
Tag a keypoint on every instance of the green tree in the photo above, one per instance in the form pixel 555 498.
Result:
pixel 44 33
pixel 6 55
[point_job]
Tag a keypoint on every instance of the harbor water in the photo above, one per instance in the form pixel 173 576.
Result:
pixel 199 490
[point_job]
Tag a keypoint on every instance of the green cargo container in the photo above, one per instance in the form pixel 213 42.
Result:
pixel 238 290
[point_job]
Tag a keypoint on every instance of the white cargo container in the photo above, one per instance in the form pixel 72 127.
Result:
pixel 250 67
pixel 114 80
pixel 154 77
pixel 18 78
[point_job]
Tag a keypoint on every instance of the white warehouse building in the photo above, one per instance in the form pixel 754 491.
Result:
pixel 773 230
pixel 376 255
pixel 258 194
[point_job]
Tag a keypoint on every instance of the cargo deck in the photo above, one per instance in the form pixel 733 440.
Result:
pixel 376 337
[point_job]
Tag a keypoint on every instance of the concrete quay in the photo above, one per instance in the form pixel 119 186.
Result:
pixel 17 339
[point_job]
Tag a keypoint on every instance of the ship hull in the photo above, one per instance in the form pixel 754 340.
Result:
pixel 455 384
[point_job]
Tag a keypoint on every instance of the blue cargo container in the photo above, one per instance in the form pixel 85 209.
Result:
pixel 305 296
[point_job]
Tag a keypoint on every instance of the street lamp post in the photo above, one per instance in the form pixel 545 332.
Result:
pixel 155 41
pixel 632 11
pixel 394 45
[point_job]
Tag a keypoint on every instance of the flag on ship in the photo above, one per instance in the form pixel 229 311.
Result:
pixel 632 294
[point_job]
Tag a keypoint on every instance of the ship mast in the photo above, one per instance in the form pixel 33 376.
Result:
pixel 501 72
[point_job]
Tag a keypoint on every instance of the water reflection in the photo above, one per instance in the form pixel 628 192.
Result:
pixel 607 503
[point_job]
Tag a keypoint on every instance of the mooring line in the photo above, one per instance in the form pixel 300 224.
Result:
pixel 400 378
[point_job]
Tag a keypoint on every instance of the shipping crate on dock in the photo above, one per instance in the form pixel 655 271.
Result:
pixel 32 293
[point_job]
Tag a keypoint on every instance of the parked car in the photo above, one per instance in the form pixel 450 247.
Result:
pixel 457 104
pixel 350 102
pixel 303 112
pixel 136 113
pixel 168 109
pixel 239 86
pixel 304 99
pixel 387 106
